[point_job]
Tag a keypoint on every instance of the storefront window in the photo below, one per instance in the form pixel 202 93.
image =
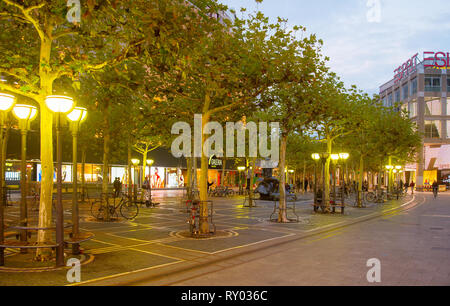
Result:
pixel 448 106
pixel 433 107
pixel 448 129
pixel 414 86
pixel 119 172
pixel 432 83
pixel 157 177
pixel 397 95
pixel 405 91
pixel 412 109
pixel 432 129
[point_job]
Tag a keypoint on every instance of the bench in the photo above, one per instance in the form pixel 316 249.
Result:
pixel 13 244
pixel 290 199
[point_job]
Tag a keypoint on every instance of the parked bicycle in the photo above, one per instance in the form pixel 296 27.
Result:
pixel 128 209
pixel 379 196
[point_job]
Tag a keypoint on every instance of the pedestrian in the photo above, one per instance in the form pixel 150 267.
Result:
pixel 435 188
pixel 406 187
pixel 412 185
pixel 117 188
pixel 210 184
pixel 306 185
pixel 147 191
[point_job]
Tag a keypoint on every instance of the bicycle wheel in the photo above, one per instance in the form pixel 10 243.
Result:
pixel 97 210
pixel 370 197
pixel 129 210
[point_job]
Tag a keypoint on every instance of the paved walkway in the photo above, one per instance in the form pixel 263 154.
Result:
pixel 150 247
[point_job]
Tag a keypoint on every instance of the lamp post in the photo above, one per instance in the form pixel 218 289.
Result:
pixel 6 103
pixel 316 158
pixel 390 169
pixel 150 163
pixel 25 114
pixel 77 116
pixel 135 163
pixel 343 157
pixel 334 159
pixel 240 169
pixel 59 105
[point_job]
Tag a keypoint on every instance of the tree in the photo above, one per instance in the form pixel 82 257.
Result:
pixel 42 46
pixel 294 101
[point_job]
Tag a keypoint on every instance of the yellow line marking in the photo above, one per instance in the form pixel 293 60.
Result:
pixel 180 248
pixel 254 243
pixel 122 274
pixel 156 254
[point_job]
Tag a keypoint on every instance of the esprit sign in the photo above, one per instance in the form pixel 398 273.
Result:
pixel 438 60
pixel 408 68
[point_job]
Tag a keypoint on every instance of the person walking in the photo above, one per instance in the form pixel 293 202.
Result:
pixel 117 188
pixel 306 185
pixel 147 194
pixel 435 187
pixel 406 187
pixel 412 185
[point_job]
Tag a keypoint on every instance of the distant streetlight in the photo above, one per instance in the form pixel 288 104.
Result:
pixel 25 114
pixel 76 116
pixel 59 105
pixel 6 103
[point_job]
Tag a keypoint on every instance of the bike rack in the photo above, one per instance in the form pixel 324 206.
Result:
pixel 193 209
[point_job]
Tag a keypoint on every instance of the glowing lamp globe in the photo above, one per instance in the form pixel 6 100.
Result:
pixel 59 104
pixel 241 168
pixel 344 156
pixel 24 112
pixel 135 161
pixel 334 156
pixel 6 102
pixel 315 156
pixel 150 162
pixel 78 114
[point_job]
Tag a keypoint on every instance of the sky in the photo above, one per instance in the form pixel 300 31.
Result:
pixel 365 39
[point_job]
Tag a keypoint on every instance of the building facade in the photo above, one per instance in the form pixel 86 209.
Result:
pixel 422 88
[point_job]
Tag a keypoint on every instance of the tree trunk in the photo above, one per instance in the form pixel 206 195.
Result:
pixel 224 163
pixel 129 174
pixel 203 220
pixel 282 217
pixel 326 197
pixel 360 180
pixel 83 171
pixel 106 156
pixel 188 179
pixel 45 205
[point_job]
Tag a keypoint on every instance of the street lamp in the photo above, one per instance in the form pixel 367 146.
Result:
pixel 135 163
pixel 59 105
pixel 76 116
pixel 25 114
pixel 6 103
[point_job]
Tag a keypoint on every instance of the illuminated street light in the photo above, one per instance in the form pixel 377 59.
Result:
pixel 315 156
pixel 24 114
pixel 6 103
pixel 76 116
pixel 344 156
pixel 60 105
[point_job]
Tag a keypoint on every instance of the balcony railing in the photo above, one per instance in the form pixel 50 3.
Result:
pixel 432 88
